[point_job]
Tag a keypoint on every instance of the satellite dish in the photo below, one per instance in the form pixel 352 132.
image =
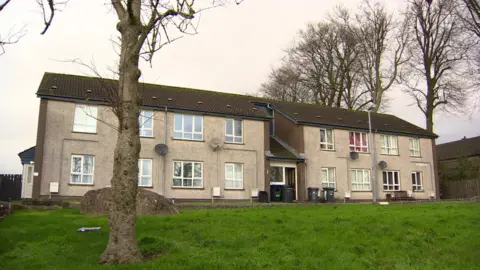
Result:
pixel 161 149
pixel 382 164
pixel 216 143
pixel 354 155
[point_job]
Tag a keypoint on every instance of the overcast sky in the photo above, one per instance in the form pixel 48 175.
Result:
pixel 233 52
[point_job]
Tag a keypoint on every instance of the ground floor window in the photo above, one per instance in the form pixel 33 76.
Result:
pixel 144 172
pixel 328 177
pixel 234 175
pixel 417 181
pixel 360 180
pixel 81 172
pixel 187 174
pixel 391 180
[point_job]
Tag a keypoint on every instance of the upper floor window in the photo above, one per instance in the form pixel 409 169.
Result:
pixel 233 131
pixel 391 180
pixel 327 175
pixel 389 145
pixel 358 141
pixel 326 139
pixel 360 180
pixel 414 145
pixel 145 123
pixel 144 172
pixel 188 127
pixel 417 181
pixel 81 171
pixel 187 174
pixel 234 175
pixel 85 119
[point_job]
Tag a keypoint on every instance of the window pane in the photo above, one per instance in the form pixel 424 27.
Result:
pixel 177 169
pixel 178 122
pixel 238 171
pixel 87 164
pixel 145 181
pixel 229 127
pixel 276 174
pixel 75 178
pixel 228 138
pixel 229 171
pixel 330 136
pixel 238 139
pixel 146 167
pixel 198 170
pixel 364 139
pixel 187 182
pixel 229 184
pixel 187 123
pixel 77 164
pixel 198 123
pixel 177 182
pixel 384 177
pixel 87 179
pixel 197 182
pixel 177 135
pixel 187 169
pixel 80 115
pixel 322 135
pixel 148 119
pixel 331 175
pixel 187 135
pixel 395 175
pixel 238 128
pixel 197 136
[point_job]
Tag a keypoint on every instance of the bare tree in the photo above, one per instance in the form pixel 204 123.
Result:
pixel 437 48
pixel 383 41
pixel 13 36
pixel 144 28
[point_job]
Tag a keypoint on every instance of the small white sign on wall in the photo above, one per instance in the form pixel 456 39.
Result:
pixel 421 164
pixel 35 174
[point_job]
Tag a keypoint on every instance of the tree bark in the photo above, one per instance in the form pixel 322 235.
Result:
pixel 122 245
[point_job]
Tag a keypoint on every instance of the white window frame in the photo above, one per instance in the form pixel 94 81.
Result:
pixel 391 181
pixel 140 171
pixel 417 181
pixel 326 145
pixel 182 130
pixel 89 112
pixel 81 174
pixel 326 181
pixel 233 179
pixel 362 184
pixel 142 119
pixel 193 174
pixel 354 146
pixel 389 145
pixel 414 152
pixel 233 136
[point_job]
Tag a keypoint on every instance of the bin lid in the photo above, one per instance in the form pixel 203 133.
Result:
pixel 314 188
pixel 328 188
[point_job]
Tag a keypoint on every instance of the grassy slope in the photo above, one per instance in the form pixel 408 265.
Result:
pixel 425 236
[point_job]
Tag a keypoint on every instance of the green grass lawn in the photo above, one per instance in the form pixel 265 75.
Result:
pixel 420 236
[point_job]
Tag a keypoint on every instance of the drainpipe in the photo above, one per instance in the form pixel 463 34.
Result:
pixel 373 157
pixel 165 156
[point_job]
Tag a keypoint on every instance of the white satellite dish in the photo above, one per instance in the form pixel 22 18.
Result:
pixel 216 143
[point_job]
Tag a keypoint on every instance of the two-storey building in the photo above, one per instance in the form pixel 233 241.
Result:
pixel 195 140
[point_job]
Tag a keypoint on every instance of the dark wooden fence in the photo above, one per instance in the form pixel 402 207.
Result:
pixel 460 188
pixel 10 187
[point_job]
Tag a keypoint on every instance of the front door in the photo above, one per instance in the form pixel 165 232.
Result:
pixel 291 180
pixel 27 181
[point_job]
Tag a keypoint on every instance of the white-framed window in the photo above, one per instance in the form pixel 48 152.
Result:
pixel 188 127
pixel 145 123
pixel 389 145
pixel 360 180
pixel 391 180
pixel 233 131
pixel 327 175
pixel 85 119
pixel 417 181
pixel 188 174
pixel 82 167
pixel 277 175
pixel 234 175
pixel 326 139
pixel 414 145
pixel 358 141
pixel 144 172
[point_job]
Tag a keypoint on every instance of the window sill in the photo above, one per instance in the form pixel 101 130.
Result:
pixel 234 189
pixel 277 184
pixel 147 137
pixel 364 153
pixel 235 143
pixel 198 188
pixel 84 132
pixel 78 184
pixel 416 156
pixel 327 150
pixel 418 191
pixel 362 191
pixel 188 140
pixel 145 186
pixel 393 155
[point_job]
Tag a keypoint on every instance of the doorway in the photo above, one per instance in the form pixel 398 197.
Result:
pixel 284 174
pixel 291 180
pixel 27 181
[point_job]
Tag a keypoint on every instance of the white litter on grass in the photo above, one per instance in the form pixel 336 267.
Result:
pixel 85 229
pixel 383 203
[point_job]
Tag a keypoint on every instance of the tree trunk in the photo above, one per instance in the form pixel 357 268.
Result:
pixel 122 245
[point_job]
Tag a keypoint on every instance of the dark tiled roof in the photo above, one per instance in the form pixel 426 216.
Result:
pixel 72 86
pixel 280 150
pixel 311 114
pixel 27 155
pixel 457 149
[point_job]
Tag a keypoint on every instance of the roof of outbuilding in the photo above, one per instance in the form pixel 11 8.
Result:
pixel 76 87
pixel 458 149
pixel 281 150
pixel 27 155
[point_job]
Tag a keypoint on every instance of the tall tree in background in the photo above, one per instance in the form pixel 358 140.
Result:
pixel 383 41
pixel 13 36
pixel 144 28
pixel 437 48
